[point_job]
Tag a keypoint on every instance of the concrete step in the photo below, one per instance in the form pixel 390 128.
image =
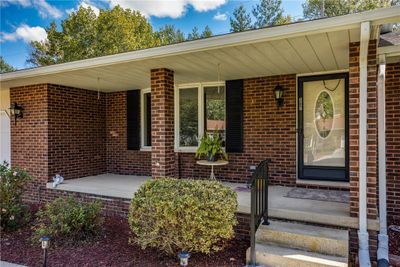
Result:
pixel 275 256
pixel 302 236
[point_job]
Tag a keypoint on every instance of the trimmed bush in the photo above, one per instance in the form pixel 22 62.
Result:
pixel 13 213
pixel 68 220
pixel 183 215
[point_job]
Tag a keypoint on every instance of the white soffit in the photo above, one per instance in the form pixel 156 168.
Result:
pixel 306 47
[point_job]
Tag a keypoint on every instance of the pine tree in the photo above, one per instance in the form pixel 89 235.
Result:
pixel 241 20
pixel 268 13
pixel 194 34
pixel 207 32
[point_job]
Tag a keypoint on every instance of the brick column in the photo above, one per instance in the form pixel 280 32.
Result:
pixel 29 137
pixel 162 120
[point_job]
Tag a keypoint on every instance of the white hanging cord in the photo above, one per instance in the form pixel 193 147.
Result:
pixel 219 76
pixel 98 88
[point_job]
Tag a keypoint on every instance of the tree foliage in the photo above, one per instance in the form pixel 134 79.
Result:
pixel 268 13
pixel 241 20
pixel 85 35
pixel 169 35
pixel 4 66
pixel 313 9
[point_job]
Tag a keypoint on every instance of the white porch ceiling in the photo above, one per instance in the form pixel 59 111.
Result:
pixel 304 54
pixel 306 47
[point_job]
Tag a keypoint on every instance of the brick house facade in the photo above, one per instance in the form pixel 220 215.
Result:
pixel 79 132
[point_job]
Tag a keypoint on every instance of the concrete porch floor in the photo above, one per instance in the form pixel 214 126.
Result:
pixel 279 206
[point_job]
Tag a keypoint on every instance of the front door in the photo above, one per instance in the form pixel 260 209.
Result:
pixel 323 127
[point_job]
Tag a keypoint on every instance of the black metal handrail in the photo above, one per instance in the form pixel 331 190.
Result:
pixel 258 184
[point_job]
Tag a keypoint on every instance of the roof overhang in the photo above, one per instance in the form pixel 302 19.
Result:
pixel 304 47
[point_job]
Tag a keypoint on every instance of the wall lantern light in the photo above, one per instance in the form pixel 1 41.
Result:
pixel 278 93
pixel 16 111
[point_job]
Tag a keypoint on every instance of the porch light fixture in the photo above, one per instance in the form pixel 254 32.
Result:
pixel 184 258
pixel 45 246
pixel 278 93
pixel 16 111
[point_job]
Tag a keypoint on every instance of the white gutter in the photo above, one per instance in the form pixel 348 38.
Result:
pixel 351 21
pixel 363 251
pixel 383 247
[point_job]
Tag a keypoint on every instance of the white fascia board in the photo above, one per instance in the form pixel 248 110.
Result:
pixel 393 50
pixel 350 21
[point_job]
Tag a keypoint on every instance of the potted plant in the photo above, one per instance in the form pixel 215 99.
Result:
pixel 211 148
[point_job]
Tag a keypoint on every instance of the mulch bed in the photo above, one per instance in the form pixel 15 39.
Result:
pixel 110 249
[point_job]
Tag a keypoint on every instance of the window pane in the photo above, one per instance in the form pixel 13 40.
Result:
pixel 215 109
pixel 324 123
pixel 147 119
pixel 188 117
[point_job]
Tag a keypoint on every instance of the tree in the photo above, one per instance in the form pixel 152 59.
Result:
pixel 313 9
pixel 207 32
pixel 268 13
pixel 4 66
pixel 194 34
pixel 169 35
pixel 241 20
pixel 85 35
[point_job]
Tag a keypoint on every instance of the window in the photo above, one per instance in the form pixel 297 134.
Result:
pixel 188 117
pixel 146 118
pixel 200 108
pixel 214 110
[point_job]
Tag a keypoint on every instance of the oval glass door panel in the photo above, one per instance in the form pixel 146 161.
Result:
pixel 323 114
pixel 324 123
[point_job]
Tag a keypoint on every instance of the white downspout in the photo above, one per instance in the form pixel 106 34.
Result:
pixel 383 250
pixel 363 250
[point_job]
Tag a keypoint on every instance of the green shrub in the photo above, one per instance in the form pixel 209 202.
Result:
pixel 183 215
pixel 13 213
pixel 68 220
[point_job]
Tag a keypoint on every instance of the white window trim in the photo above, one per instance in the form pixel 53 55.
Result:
pixel 142 128
pixel 200 99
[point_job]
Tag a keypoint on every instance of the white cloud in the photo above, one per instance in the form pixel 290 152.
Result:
pixel 167 8
pixel 45 9
pixel 24 3
pixel 220 16
pixel 85 4
pixel 25 33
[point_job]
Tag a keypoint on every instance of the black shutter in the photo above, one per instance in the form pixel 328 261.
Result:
pixel 133 119
pixel 234 116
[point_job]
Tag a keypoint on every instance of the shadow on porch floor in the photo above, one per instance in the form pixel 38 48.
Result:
pixel 280 206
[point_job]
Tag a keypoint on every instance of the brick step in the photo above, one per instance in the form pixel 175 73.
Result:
pixel 272 255
pixel 303 236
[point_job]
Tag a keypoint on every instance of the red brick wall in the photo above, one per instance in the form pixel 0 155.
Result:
pixel 76 124
pixel 393 141
pixel 162 121
pixel 29 146
pixel 120 160
pixel 268 132
pixel 354 86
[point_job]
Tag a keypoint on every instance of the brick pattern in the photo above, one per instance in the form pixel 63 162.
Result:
pixel 354 87
pixel 120 160
pixel 269 132
pixel 76 135
pixel 393 141
pixel 29 146
pixel 162 120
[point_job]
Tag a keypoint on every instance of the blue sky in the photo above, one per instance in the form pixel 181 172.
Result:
pixel 24 20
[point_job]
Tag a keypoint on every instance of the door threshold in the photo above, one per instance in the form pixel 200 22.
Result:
pixel 342 185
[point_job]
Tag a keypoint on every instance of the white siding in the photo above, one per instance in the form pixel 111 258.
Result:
pixel 5 134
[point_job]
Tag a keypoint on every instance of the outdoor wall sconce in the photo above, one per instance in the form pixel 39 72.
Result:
pixel 278 93
pixel 16 111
